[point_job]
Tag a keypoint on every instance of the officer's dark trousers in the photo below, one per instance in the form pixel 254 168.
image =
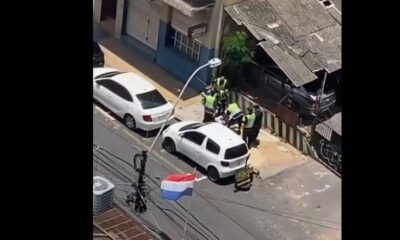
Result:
pixel 256 131
pixel 208 116
pixel 248 135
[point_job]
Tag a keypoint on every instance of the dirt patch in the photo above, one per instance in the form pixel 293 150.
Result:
pixel 272 156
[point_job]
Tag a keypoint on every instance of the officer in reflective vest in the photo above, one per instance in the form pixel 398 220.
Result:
pixel 219 83
pixel 235 115
pixel 210 104
pixel 248 126
pixel 223 97
pixel 257 123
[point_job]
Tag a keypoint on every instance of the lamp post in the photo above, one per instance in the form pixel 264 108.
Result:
pixel 139 204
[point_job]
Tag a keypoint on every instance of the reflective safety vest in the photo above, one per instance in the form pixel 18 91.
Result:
pixel 221 84
pixel 209 102
pixel 250 120
pixel 233 108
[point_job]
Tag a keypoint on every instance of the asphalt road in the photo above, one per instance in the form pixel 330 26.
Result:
pixel 303 202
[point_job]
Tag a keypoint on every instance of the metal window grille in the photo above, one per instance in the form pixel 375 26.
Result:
pixel 186 45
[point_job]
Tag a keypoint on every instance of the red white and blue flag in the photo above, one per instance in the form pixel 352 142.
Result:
pixel 177 185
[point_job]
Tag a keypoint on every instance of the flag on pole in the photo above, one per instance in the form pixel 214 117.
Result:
pixel 177 185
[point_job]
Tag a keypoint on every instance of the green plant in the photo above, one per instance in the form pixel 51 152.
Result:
pixel 235 54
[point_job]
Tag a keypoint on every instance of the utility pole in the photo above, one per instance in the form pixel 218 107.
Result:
pixel 138 197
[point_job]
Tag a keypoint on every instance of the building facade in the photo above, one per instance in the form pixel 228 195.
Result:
pixel 178 35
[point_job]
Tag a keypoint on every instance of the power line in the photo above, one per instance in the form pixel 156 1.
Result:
pixel 275 212
pixel 119 173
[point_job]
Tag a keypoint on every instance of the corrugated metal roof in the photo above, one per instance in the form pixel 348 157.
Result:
pixel 117 224
pixel 293 67
pixel 306 34
pixel 335 123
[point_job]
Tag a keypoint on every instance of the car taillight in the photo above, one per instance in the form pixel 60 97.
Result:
pixel 225 164
pixel 147 118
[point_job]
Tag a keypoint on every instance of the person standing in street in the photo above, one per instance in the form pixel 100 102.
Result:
pixel 248 126
pixel 210 105
pixel 235 115
pixel 257 122
pixel 223 97
pixel 220 83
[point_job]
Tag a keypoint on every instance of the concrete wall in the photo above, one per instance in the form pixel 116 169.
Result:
pixel 182 66
pixel 119 18
pixel 292 135
pixel 97 10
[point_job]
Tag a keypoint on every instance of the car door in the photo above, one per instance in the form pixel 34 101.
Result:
pixel 121 100
pixel 117 98
pixel 102 93
pixel 210 154
pixel 191 145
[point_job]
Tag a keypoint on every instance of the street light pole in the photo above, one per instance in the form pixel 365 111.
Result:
pixel 215 62
pixel 139 201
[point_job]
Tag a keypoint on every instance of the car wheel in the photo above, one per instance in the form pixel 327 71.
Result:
pixel 213 174
pixel 129 122
pixel 169 145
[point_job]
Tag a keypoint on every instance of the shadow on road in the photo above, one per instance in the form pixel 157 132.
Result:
pixel 188 161
pixel 144 64
pixel 140 132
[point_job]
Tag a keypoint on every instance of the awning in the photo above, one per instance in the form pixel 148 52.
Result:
pixel 186 8
pixel 334 123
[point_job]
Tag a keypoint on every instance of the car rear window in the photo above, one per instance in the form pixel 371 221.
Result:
pixel 151 99
pixel 235 152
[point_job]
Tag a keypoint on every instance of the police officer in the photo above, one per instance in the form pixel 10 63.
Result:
pixel 210 104
pixel 219 83
pixel 248 126
pixel 223 97
pixel 235 115
pixel 257 122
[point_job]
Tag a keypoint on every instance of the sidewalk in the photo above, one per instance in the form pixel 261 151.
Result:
pixel 270 157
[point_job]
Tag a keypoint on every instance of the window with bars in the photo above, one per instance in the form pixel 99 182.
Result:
pixel 186 45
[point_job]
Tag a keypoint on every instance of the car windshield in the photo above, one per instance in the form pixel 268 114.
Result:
pixel 191 126
pixel 96 48
pixel 235 152
pixel 108 74
pixel 151 99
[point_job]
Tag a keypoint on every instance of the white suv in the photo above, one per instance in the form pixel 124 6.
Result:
pixel 213 146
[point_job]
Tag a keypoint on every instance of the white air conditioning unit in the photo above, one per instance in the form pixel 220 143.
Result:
pixel 103 195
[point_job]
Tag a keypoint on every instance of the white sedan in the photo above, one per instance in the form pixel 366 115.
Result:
pixel 213 146
pixel 131 97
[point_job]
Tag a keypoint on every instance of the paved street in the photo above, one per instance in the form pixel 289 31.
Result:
pixel 301 202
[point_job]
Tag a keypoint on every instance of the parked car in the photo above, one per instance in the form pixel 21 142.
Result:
pixel 303 99
pixel 98 55
pixel 213 146
pixel 131 97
